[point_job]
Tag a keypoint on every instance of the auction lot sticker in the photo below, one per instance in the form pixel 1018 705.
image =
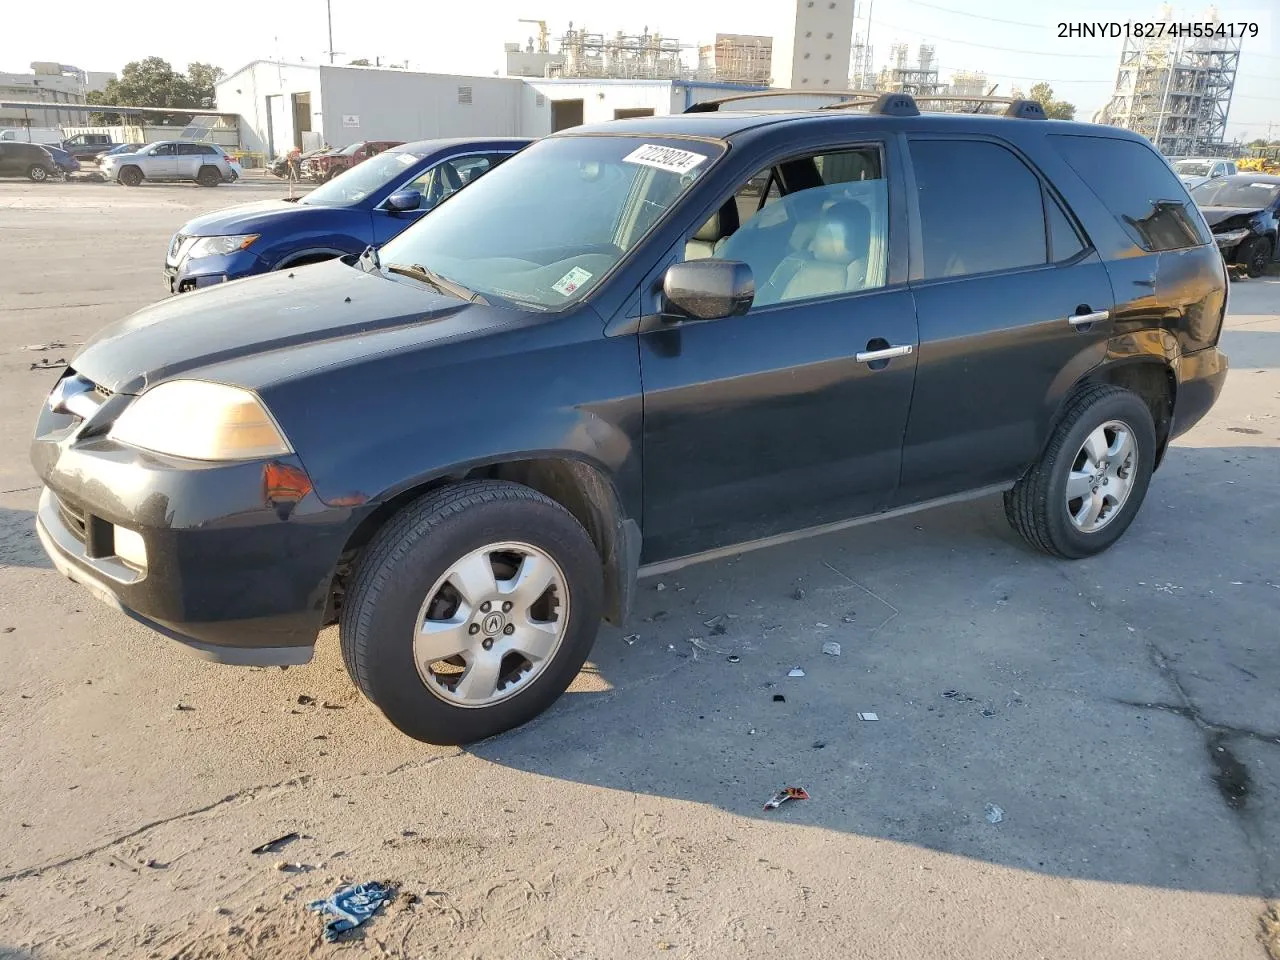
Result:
pixel 571 281
pixel 664 158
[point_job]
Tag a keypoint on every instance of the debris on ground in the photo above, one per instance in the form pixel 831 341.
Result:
pixel 713 621
pixel 785 794
pixel 350 907
pixel 183 706
pixel 831 648
pixel 660 587
pixel 849 618
pixel 719 630
pixel 305 701
pixel 325 704
pixel 779 698
pixel 1270 922
pixel 795 672
pixel 988 712
pixel 822 626
pixel 44 363
pixel 51 345
pixel 868 716
pixel 285 867
pixel 819 744
pixel 994 813
pixel 630 638
pixel 734 658
pixel 271 846
pixel 799 594
pixel 957 696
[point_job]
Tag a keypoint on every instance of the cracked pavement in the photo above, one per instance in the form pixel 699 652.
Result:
pixel 1122 712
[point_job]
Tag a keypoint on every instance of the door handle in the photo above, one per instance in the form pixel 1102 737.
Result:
pixel 1081 319
pixel 888 353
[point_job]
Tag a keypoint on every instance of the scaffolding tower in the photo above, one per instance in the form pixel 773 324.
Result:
pixel 644 56
pixel 920 80
pixel 1176 92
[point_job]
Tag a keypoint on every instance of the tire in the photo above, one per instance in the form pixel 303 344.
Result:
pixel 1255 256
pixel 1038 507
pixel 209 177
pixel 405 579
pixel 130 176
pixel 37 173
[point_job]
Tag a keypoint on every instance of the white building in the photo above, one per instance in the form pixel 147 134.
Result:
pixel 811 45
pixel 51 83
pixel 286 105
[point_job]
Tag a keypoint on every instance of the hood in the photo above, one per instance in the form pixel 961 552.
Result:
pixel 1191 182
pixel 263 330
pixel 1229 218
pixel 253 218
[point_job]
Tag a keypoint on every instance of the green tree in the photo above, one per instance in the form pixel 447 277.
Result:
pixel 1260 142
pixel 153 82
pixel 1053 109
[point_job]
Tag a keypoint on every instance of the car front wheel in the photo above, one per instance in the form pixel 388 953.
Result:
pixel 1255 256
pixel 1086 488
pixel 131 176
pixel 471 611
pixel 38 173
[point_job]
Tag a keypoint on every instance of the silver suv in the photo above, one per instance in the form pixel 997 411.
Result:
pixel 170 160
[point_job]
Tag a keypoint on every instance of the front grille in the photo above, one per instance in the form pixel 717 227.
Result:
pixel 72 517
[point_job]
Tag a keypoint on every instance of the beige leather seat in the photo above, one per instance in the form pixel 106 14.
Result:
pixel 713 233
pixel 836 258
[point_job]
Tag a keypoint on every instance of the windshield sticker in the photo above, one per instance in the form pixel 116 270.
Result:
pixel 664 158
pixel 571 281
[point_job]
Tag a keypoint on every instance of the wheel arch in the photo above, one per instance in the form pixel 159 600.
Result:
pixel 582 488
pixel 309 255
pixel 1152 378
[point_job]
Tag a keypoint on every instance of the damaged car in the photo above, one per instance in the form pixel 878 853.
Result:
pixel 1243 212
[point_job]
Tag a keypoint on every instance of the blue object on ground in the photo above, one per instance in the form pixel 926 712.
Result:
pixel 350 906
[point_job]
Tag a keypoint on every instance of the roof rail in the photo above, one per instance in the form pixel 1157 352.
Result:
pixel 712 106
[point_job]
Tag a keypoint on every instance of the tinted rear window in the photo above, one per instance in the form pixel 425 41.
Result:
pixel 1139 189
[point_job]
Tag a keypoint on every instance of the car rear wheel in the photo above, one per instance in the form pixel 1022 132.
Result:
pixel 471 611
pixel 208 176
pixel 1255 256
pixel 1089 483
pixel 38 173
pixel 131 176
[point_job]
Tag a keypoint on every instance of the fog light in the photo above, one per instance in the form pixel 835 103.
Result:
pixel 130 548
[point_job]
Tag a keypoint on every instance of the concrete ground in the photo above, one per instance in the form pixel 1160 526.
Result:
pixel 1121 711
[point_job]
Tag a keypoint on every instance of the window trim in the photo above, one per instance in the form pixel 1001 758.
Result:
pixel 915 228
pixel 880 144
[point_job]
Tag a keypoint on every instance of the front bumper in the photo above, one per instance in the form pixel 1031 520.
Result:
pixel 191 274
pixel 1201 376
pixel 231 571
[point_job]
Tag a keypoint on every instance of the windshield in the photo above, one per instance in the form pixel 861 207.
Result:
pixel 1236 192
pixel 359 182
pixel 349 150
pixel 1191 168
pixel 543 228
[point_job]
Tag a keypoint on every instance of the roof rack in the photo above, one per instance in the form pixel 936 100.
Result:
pixel 884 104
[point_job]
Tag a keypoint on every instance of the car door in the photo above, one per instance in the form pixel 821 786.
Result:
pixel 161 163
pixel 791 415
pixel 434 184
pixel 1013 305
pixel 190 157
pixel 7 163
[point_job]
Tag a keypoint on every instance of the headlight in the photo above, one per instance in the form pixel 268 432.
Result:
pixel 1229 237
pixel 201 421
pixel 213 246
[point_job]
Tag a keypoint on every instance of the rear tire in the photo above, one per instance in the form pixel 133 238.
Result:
pixel 130 176
pixel 1088 485
pixel 37 173
pixel 209 176
pixel 420 589
pixel 1255 256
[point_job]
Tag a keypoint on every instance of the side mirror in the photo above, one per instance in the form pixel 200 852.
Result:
pixel 1215 175
pixel 707 289
pixel 404 200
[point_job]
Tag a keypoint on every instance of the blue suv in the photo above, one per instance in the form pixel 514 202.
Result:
pixel 367 205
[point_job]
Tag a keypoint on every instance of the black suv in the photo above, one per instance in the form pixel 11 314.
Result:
pixel 630 347
pixel 28 160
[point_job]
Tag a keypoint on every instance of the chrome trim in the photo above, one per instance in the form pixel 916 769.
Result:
pixel 719 553
pixel 1081 319
pixel 867 356
pixel 76 396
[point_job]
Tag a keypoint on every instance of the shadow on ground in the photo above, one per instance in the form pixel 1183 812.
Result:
pixel 1120 711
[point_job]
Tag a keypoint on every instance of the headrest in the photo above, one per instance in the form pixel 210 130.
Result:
pixel 720 225
pixel 843 233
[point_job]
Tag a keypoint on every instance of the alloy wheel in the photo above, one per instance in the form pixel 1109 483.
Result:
pixel 491 624
pixel 1101 476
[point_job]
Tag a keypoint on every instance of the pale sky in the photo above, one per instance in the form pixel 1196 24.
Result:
pixel 1014 41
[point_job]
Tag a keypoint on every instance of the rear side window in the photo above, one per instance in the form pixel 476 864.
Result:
pixel 1139 189
pixel 980 208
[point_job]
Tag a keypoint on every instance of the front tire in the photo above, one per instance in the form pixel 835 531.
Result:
pixel 471 611
pixel 37 173
pixel 1088 485
pixel 131 176
pixel 1255 256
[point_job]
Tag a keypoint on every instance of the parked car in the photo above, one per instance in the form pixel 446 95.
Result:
pixel 327 165
pixel 86 146
pixel 367 205
pixel 120 148
pixel 608 358
pixel 1194 171
pixel 30 160
pixel 38 135
pixel 1243 211
pixel 67 164
pixel 170 160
